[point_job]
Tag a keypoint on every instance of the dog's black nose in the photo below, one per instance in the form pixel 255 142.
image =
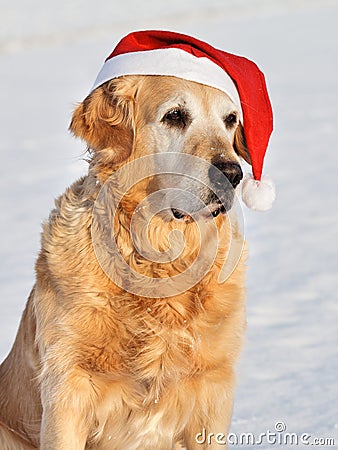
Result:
pixel 232 170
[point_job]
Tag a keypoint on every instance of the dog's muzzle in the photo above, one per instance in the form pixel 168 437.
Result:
pixel 218 197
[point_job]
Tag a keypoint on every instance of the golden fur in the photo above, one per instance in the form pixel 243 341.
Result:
pixel 96 367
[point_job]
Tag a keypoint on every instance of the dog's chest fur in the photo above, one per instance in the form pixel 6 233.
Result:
pixel 149 341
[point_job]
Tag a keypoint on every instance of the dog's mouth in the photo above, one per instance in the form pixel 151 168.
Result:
pixel 207 213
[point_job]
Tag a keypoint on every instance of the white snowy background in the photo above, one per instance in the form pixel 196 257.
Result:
pixel 50 53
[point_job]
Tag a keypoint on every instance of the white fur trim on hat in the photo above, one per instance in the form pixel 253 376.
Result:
pixel 258 195
pixel 170 62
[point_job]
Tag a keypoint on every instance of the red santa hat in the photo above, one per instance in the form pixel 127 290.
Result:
pixel 154 52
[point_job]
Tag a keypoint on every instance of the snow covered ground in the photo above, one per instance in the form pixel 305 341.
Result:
pixel 50 53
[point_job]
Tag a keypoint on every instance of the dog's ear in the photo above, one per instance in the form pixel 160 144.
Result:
pixel 104 120
pixel 240 144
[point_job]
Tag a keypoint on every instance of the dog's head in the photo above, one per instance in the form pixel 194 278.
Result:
pixel 134 116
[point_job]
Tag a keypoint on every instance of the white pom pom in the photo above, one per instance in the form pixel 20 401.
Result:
pixel 258 195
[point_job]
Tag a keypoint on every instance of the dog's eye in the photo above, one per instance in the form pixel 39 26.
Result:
pixel 176 117
pixel 230 120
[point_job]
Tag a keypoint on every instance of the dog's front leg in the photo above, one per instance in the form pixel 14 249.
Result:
pixel 209 424
pixel 208 434
pixel 66 419
pixel 61 429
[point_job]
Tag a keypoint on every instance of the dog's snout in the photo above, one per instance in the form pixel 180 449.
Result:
pixel 232 170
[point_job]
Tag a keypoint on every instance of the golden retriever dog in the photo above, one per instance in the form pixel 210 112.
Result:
pixel 95 365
